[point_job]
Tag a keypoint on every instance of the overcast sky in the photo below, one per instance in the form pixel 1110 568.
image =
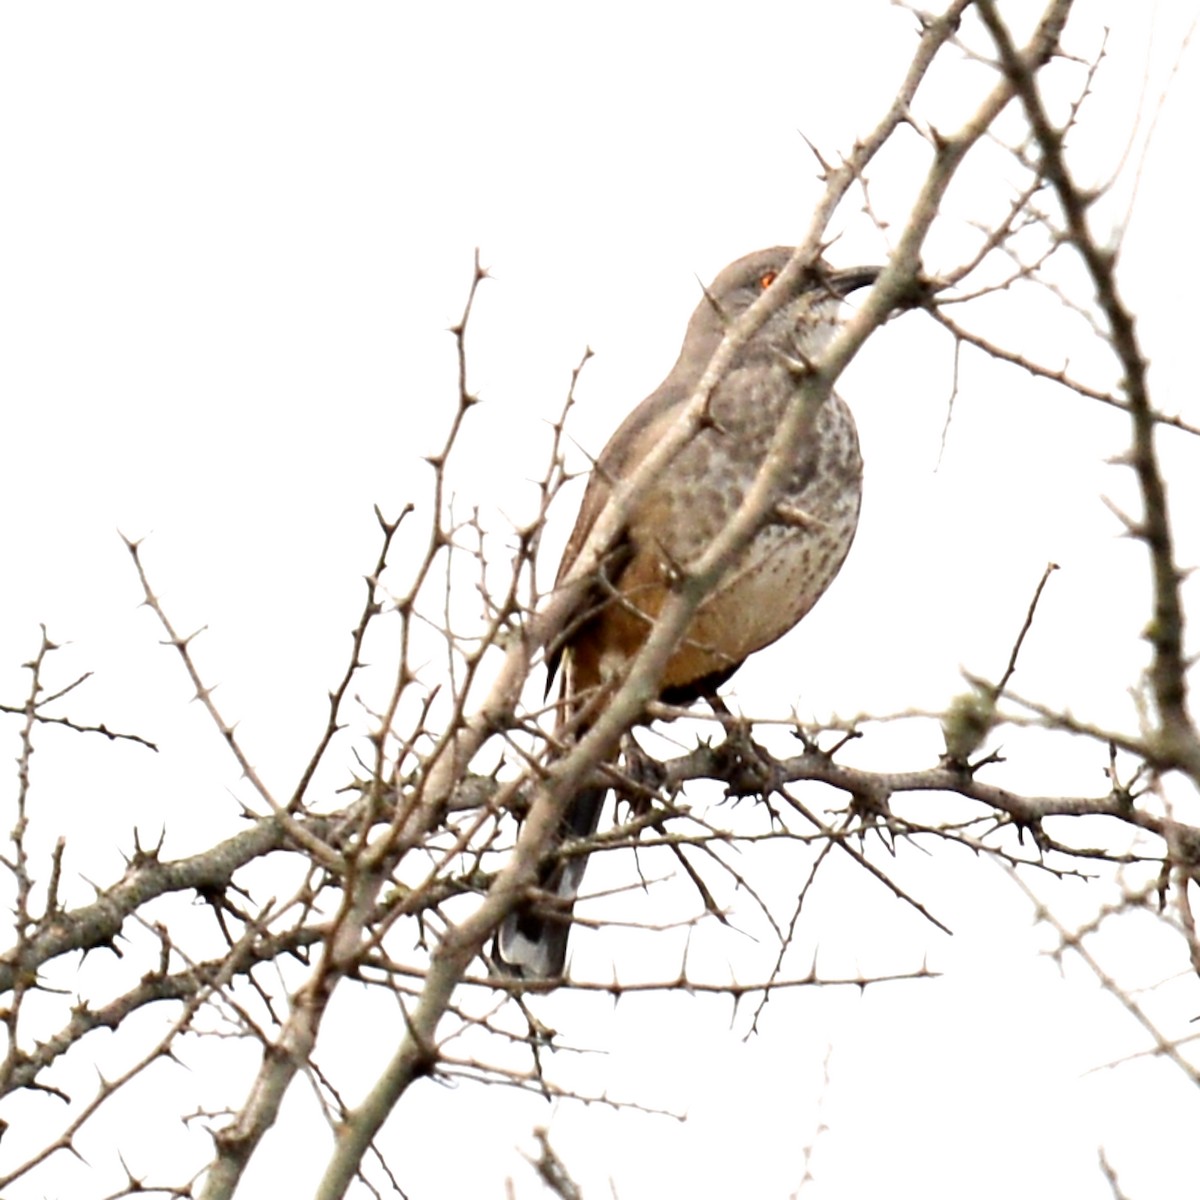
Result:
pixel 232 240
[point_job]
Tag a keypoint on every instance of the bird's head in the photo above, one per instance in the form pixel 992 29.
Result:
pixel 804 323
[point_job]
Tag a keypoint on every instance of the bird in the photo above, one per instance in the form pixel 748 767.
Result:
pixel 768 588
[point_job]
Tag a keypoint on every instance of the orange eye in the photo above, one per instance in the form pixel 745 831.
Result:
pixel 766 279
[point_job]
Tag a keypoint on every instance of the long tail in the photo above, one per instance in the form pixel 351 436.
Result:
pixel 532 940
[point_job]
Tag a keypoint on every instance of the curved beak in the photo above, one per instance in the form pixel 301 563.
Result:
pixel 843 282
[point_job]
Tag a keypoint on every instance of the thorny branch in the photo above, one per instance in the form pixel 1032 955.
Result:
pixel 398 884
pixel 1168 671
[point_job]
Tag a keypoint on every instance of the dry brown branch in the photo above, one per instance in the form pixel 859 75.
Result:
pixel 395 884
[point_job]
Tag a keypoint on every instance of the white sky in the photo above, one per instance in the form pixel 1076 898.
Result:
pixel 231 240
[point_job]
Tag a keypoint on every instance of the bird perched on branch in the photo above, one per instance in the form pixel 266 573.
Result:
pixel 774 581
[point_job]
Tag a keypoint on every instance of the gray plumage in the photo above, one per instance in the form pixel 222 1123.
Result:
pixel 776 579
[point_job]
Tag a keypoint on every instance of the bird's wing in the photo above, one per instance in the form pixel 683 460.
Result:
pixel 636 436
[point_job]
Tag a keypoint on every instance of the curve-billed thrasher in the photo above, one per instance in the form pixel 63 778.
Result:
pixel 777 578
